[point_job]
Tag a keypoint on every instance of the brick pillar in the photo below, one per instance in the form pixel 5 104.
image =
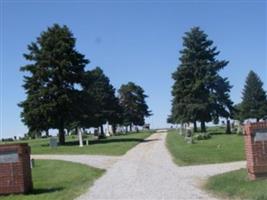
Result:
pixel 255 135
pixel 15 169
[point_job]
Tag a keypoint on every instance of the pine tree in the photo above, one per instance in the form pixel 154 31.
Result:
pixel 102 94
pixel 199 92
pixel 254 102
pixel 237 112
pixel 132 100
pixel 55 67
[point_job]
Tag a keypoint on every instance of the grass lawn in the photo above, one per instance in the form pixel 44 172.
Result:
pixel 236 185
pixel 114 145
pixel 220 148
pixel 58 180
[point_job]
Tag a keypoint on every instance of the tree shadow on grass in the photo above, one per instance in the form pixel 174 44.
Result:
pixel 118 140
pixel 110 140
pixel 68 143
pixel 106 141
pixel 217 133
pixel 37 191
pixel 151 140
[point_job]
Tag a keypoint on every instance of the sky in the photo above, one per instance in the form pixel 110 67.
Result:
pixel 135 41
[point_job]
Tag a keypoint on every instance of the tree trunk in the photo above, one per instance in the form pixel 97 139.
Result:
pixel 131 127
pixel 203 126
pixel 258 119
pixel 195 126
pixel 47 132
pixel 113 128
pixel 101 130
pixel 228 127
pixel 126 129
pixel 61 135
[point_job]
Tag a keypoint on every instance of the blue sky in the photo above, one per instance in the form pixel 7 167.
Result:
pixel 135 41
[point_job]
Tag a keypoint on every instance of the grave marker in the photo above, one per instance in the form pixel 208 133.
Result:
pixel 53 142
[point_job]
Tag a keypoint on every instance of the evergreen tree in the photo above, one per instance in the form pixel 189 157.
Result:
pixel 132 100
pixel 254 102
pixel 199 92
pixel 55 67
pixel 237 112
pixel 102 95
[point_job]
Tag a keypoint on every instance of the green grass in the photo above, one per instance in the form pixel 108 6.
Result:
pixel 115 145
pixel 220 148
pixel 58 180
pixel 236 185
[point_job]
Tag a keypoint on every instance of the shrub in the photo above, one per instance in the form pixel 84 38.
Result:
pixel 7 140
pixel 202 136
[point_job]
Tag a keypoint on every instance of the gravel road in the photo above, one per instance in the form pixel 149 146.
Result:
pixel 148 172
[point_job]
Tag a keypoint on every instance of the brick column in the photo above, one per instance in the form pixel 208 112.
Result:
pixel 256 149
pixel 15 169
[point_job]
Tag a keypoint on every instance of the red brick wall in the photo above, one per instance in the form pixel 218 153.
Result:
pixel 16 177
pixel 256 151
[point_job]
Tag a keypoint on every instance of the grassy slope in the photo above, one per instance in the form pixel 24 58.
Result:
pixel 59 180
pixel 236 185
pixel 115 145
pixel 220 148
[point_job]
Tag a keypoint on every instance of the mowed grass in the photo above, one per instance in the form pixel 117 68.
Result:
pixel 58 180
pixel 236 185
pixel 220 148
pixel 114 145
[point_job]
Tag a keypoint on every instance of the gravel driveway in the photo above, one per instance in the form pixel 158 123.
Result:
pixel 148 172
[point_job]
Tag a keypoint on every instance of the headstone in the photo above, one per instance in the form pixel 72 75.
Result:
pixel 256 149
pixel 181 129
pixel 107 129
pixel 189 135
pixel 239 127
pixel 80 137
pixel 53 142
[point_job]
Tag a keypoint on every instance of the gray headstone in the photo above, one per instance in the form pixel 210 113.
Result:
pixel 53 142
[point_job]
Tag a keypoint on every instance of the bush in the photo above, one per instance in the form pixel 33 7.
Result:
pixel 190 140
pixel 7 140
pixel 202 136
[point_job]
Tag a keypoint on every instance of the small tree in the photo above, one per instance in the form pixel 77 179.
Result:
pixel 254 101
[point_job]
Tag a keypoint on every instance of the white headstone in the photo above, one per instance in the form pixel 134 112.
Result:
pixel 80 137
